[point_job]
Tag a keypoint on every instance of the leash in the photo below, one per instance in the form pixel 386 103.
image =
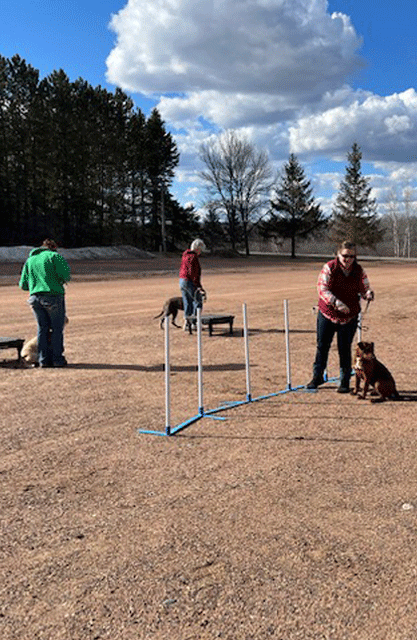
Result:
pixel 366 308
pixel 361 317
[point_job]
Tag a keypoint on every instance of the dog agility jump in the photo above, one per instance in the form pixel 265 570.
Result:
pixel 211 413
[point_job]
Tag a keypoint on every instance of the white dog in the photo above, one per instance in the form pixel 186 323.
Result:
pixel 29 351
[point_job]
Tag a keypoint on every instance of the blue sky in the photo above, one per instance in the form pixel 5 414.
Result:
pixel 308 77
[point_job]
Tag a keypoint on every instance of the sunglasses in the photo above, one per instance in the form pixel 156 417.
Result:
pixel 347 255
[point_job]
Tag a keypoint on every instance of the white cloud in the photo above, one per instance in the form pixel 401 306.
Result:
pixel 275 47
pixel 327 181
pixel 227 110
pixel 396 176
pixel 384 127
pixel 275 70
pixel 396 124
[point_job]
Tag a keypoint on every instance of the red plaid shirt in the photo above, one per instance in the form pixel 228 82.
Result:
pixel 338 284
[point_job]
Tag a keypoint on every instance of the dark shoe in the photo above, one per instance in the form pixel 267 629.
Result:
pixel 315 382
pixel 343 389
pixel 47 364
pixel 61 364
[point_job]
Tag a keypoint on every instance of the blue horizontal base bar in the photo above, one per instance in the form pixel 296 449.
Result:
pixel 170 431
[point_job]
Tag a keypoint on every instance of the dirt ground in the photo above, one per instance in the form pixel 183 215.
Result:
pixel 292 517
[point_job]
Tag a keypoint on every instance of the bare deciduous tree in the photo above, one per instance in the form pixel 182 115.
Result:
pixel 407 214
pixel 238 180
pixel 394 216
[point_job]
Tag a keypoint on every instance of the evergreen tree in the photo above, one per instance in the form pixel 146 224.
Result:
pixel 62 154
pixel 183 224
pixel 138 182
pixel 161 159
pixel 18 82
pixel 354 215
pixel 80 164
pixel 294 214
pixel 212 230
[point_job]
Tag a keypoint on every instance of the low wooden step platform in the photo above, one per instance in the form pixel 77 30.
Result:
pixel 12 343
pixel 218 319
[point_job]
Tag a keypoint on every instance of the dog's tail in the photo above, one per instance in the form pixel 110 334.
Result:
pixel 159 315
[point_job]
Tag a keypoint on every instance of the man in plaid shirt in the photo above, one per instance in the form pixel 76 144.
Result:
pixel 341 284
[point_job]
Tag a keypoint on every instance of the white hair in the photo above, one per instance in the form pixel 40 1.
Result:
pixel 197 244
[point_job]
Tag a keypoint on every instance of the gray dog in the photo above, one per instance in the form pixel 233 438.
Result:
pixel 171 308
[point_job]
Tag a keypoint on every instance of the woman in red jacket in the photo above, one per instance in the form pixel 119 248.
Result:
pixel 190 280
pixel 340 285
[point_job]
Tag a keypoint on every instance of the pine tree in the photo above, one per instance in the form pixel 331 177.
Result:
pixel 138 183
pixel 81 165
pixel 354 214
pixel 161 159
pixel 294 214
pixel 212 229
pixel 18 85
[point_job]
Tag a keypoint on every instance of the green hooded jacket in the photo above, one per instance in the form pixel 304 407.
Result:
pixel 45 271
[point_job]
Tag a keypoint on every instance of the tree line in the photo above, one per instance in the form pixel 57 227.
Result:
pixel 242 199
pixel 83 165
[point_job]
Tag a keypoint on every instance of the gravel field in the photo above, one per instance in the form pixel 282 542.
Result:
pixel 295 517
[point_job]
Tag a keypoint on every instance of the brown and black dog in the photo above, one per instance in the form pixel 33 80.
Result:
pixel 373 373
pixel 171 308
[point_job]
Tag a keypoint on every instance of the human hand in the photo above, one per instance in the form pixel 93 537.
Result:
pixel 341 306
pixel 369 296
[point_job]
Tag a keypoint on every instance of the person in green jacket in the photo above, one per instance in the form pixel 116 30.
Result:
pixel 44 274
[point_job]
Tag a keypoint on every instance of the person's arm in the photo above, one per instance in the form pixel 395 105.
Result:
pixel 24 278
pixel 323 288
pixel 365 288
pixel 62 268
pixel 195 272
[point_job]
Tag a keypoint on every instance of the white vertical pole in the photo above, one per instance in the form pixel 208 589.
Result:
pixel 287 343
pixel 245 333
pixel 200 364
pixel 167 381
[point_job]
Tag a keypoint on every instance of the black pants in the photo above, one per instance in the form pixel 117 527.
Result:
pixel 325 334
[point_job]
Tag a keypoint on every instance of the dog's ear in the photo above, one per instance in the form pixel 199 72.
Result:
pixel 360 345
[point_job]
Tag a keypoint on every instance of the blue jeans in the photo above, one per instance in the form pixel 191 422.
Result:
pixel 49 311
pixel 325 334
pixel 191 299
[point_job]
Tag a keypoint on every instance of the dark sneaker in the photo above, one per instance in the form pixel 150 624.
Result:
pixel 63 363
pixel 343 389
pixel 315 382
